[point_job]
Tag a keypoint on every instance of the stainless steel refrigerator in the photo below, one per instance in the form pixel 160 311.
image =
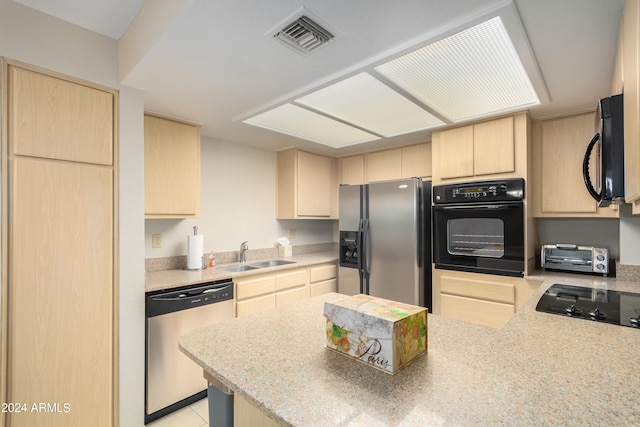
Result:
pixel 385 240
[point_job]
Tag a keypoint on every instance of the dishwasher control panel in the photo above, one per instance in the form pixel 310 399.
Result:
pixel 163 302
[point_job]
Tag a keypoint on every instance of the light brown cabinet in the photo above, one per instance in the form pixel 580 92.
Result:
pixel 171 168
pixel 306 185
pixel 486 150
pixel 323 278
pixel 352 170
pixel 256 293
pixel 558 150
pixel 58 347
pixel 631 89
pixel 416 161
pixel 259 292
pixel 479 298
pixel 66 120
pixel 398 163
pixel 383 165
pixel 292 286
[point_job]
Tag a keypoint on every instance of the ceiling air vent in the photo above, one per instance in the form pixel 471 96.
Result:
pixel 304 35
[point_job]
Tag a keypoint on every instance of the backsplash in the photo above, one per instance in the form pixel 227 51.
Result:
pixel 627 272
pixel 180 262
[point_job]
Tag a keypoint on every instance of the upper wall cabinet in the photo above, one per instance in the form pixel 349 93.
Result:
pixel 631 88
pixel 352 170
pixel 487 150
pixel 383 165
pixel 398 163
pixel 59 119
pixel 558 150
pixel 306 186
pixel 416 161
pixel 171 168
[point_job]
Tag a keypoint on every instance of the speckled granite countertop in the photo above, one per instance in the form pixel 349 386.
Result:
pixel 167 279
pixel 540 369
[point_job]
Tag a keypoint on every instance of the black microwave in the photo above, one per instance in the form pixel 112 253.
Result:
pixel 609 179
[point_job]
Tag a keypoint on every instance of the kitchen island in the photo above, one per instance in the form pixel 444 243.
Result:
pixel 540 369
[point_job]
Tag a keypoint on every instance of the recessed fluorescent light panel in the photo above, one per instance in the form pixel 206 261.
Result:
pixel 370 104
pixel 471 74
pixel 302 123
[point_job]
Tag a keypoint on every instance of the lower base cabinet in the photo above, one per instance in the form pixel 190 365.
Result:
pixel 259 292
pixel 245 414
pixel 480 298
pixel 323 278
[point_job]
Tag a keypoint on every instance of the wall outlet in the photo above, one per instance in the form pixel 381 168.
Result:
pixel 156 240
pixel 292 233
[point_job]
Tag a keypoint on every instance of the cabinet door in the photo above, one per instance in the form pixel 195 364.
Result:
pixel 631 40
pixel 564 141
pixel 61 291
pixel 252 286
pixel 255 305
pixel 486 288
pixel 456 153
pixel 323 272
pixel 324 287
pixel 416 161
pixel 314 185
pixel 57 119
pixel 292 279
pixel 384 165
pixel 352 170
pixel 487 313
pixel 171 168
pixel 494 147
pixel 291 296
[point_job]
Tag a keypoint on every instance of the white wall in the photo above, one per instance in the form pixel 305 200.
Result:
pixel 44 41
pixel 238 203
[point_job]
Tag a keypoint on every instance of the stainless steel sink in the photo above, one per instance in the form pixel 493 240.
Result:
pixel 241 267
pixel 271 263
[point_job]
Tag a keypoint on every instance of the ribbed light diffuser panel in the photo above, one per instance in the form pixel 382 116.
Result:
pixel 474 73
pixel 370 104
pixel 297 121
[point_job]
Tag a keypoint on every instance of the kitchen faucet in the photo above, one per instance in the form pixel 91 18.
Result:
pixel 243 251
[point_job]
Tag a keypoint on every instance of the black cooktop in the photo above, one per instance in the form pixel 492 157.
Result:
pixel 599 305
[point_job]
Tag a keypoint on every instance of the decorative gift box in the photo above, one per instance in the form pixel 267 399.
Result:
pixel 378 332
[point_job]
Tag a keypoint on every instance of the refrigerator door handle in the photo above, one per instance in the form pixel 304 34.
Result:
pixel 366 247
pixel 361 252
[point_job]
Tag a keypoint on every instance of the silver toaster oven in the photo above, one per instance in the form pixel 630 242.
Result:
pixel 569 257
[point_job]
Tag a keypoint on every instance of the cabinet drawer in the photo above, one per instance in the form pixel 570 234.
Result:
pixel 255 305
pixel 486 290
pixel 255 286
pixel 291 295
pixel 324 287
pixel 323 272
pixel 291 279
pixel 488 313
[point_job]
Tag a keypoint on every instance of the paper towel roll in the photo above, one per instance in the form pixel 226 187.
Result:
pixel 195 250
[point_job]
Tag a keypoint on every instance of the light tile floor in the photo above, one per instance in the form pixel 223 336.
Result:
pixel 194 415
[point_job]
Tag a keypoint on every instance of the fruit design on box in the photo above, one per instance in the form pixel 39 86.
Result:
pixel 411 338
pixel 359 346
pixel 338 337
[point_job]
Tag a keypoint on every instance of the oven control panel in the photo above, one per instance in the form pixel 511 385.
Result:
pixel 480 191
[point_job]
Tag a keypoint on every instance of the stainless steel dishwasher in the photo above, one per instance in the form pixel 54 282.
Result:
pixel 172 380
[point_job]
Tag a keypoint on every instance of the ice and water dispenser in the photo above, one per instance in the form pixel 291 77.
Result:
pixel 349 249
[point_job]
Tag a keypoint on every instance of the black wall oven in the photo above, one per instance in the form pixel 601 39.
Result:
pixel 479 227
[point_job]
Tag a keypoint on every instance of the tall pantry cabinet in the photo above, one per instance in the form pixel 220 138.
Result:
pixel 59 223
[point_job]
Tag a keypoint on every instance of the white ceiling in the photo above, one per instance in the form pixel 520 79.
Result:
pixel 216 63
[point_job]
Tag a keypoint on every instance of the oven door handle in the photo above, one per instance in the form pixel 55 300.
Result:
pixel 501 206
